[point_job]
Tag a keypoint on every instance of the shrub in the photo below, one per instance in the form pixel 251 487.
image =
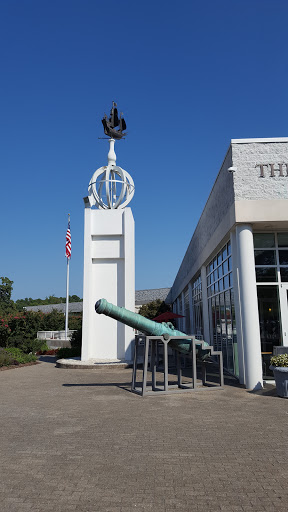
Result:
pixel 4 332
pixel 38 346
pixel 27 345
pixel 76 340
pixel 19 356
pixel 6 359
pixel 75 322
pixel 24 327
pixel 54 321
pixel 67 353
pixel 13 356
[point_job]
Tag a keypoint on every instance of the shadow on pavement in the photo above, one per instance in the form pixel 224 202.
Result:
pixel 47 359
pixel 98 384
pixel 268 390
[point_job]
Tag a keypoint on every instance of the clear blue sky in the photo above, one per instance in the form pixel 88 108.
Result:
pixel 188 75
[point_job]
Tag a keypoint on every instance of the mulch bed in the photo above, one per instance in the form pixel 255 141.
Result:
pixel 52 352
pixel 13 366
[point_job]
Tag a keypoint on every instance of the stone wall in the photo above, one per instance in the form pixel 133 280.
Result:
pixel 248 182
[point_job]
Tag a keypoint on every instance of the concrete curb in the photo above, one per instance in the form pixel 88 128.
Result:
pixel 75 364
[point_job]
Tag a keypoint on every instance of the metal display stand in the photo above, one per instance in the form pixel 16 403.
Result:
pixel 144 343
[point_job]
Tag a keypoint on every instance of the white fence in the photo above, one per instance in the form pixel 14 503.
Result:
pixel 54 335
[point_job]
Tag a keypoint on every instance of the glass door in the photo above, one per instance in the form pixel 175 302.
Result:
pixel 270 323
pixel 284 312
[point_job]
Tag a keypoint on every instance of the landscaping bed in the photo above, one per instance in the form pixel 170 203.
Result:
pixel 20 365
pixel 14 357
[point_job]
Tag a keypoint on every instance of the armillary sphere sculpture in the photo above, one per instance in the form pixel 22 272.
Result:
pixel 111 187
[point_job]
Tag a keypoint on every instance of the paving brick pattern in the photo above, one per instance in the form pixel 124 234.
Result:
pixel 77 440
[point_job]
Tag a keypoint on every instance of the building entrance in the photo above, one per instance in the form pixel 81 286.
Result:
pixel 270 327
pixel 284 312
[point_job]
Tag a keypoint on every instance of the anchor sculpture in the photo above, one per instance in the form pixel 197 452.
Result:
pixel 150 328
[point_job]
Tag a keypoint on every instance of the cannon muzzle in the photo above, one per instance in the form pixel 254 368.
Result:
pixel 148 327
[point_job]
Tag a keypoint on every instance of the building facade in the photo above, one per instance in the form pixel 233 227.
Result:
pixel 232 285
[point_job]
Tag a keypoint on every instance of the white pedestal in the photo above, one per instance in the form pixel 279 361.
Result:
pixel 109 272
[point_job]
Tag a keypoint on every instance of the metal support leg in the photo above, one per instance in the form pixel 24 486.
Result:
pixel 145 366
pixel 204 374
pixel 194 367
pixel 179 369
pixel 153 363
pixel 221 373
pixel 134 365
pixel 165 349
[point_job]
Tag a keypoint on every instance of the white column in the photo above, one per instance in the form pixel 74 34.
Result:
pixel 206 328
pixel 249 307
pixel 234 251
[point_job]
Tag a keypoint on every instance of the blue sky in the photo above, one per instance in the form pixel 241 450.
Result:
pixel 188 75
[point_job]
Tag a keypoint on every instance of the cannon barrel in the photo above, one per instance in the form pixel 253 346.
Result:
pixel 148 327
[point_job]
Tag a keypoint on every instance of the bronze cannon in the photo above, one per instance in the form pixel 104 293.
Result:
pixel 149 327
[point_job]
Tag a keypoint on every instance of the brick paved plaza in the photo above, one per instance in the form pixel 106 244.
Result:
pixel 79 440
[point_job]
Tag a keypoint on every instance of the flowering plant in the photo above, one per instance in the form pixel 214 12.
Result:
pixel 280 360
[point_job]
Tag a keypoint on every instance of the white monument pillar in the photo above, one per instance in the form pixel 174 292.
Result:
pixel 249 308
pixel 109 262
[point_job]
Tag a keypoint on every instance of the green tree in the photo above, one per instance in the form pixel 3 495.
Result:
pixel 6 303
pixel 20 303
pixel 154 308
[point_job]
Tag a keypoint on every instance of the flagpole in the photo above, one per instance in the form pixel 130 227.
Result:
pixel 67 290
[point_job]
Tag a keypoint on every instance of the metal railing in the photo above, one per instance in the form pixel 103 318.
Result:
pixel 54 335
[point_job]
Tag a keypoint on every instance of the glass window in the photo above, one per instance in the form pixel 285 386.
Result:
pixel 229 263
pixel 265 258
pixel 264 240
pixel 225 267
pixel 231 280
pixel 284 274
pixel 220 307
pixel 266 275
pixel 282 239
pixel 226 282
pixel 283 257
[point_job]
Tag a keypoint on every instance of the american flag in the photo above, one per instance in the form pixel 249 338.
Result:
pixel 68 242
